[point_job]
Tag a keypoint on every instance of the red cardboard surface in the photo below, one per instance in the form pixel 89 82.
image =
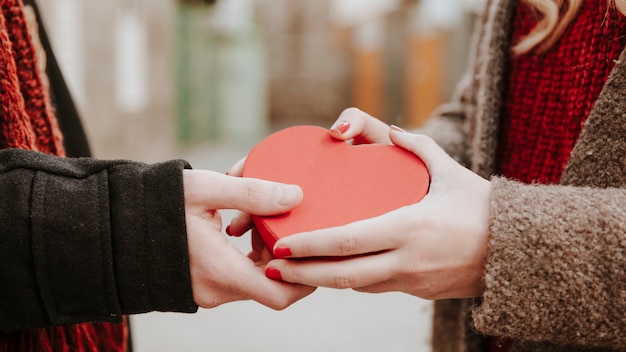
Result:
pixel 342 183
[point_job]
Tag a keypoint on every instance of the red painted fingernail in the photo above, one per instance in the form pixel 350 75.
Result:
pixel 282 252
pixel 340 127
pixel 396 128
pixel 273 274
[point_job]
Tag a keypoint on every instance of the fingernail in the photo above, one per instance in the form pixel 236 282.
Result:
pixel 282 252
pixel 273 274
pixel 397 129
pixel 287 195
pixel 340 127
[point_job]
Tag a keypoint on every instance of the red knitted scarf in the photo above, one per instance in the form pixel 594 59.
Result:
pixel 550 96
pixel 27 121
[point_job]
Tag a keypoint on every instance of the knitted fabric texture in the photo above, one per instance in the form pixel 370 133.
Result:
pixel 550 95
pixel 27 121
pixel 554 275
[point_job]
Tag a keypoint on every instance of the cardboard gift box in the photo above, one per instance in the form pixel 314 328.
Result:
pixel 342 183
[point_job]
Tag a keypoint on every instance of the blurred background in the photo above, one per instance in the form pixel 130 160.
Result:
pixel 206 80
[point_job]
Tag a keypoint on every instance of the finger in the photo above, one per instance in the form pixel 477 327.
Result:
pixel 260 257
pixel 257 242
pixel 266 256
pixel 256 257
pixel 259 254
pixel 360 126
pixel 239 225
pixel 421 145
pixel 279 298
pixel 445 172
pixel 277 295
pixel 271 293
pixel 212 190
pixel 379 287
pixel 237 168
pixel 356 238
pixel 234 276
pixel 348 273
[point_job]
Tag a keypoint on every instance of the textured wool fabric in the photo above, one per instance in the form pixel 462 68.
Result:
pixel 555 278
pixel 74 138
pixel 27 121
pixel 125 240
pixel 549 96
pixel 581 274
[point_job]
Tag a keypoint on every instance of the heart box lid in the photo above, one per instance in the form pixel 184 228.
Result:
pixel 342 183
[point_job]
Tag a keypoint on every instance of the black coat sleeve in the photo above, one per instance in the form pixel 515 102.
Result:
pixel 90 240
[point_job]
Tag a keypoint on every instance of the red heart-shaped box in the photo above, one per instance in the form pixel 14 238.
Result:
pixel 342 183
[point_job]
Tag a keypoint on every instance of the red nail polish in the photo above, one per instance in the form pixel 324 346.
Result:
pixel 282 252
pixel 340 127
pixel 273 274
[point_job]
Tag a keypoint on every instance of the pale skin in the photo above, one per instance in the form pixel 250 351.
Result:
pixel 434 249
pixel 220 273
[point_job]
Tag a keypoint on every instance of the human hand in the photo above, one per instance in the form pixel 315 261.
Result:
pixel 434 249
pixel 220 273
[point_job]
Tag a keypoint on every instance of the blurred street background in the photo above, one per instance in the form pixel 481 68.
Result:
pixel 206 80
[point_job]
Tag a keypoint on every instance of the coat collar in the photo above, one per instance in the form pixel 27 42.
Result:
pixel 493 52
pixel 599 156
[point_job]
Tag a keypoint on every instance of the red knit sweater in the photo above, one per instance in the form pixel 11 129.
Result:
pixel 549 96
pixel 27 121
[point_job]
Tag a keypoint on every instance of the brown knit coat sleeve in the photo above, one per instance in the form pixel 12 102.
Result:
pixel 556 269
pixel 556 266
pixel 555 277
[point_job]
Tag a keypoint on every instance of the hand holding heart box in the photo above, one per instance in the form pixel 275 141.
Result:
pixel 342 183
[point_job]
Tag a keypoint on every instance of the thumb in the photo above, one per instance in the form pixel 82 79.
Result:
pixel 422 146
pixel 213 190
